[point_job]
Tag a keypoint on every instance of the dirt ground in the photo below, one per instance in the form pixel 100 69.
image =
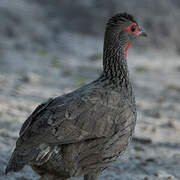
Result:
pixel 32 70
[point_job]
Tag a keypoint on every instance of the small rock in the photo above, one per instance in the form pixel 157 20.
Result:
pixel 164 175
pixel 142 140
pixel 31 78
pixel 150 160
pixel 174 124
pixel 146 178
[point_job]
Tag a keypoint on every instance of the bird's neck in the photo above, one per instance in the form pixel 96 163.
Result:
pixel 115 59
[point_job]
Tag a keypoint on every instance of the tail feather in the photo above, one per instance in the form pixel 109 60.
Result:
pixel 14 164
pixel 19 159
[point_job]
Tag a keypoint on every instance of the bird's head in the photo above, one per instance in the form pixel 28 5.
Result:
pixel 122 29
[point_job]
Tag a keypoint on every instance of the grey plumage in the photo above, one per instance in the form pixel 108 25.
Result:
pixel 82 132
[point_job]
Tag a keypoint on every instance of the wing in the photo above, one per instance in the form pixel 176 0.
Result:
pixel 70 121
pixel 42 107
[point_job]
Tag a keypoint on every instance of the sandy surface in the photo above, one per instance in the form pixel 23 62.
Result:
pixel 31 72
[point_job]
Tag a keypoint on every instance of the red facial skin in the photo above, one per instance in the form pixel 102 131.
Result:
pixel 137 30
pixel 136 33
pixel 127 47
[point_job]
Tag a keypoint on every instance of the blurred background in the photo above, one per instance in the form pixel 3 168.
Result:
pixel 48 48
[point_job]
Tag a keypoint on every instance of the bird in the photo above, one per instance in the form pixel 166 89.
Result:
pixel 82 132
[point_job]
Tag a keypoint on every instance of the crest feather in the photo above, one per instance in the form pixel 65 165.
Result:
pixel 121 18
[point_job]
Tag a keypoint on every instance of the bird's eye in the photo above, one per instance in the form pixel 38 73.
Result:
pixel 133 28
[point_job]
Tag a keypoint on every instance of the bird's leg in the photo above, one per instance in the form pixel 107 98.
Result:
pixel 91 177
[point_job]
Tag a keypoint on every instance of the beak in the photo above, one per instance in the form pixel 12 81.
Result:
pixel 142 33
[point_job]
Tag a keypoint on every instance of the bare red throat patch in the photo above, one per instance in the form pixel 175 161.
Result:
pixel 127 47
